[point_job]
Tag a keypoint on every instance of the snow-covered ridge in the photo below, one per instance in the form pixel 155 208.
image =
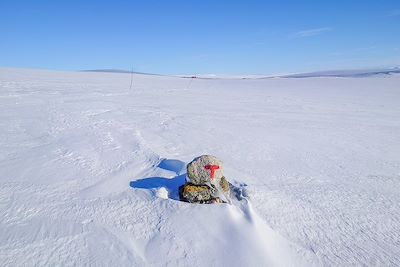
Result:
pixel 346 73
pixel 89 164
pixel 329 73
pixel 118 71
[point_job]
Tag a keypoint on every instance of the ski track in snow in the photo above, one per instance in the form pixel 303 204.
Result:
pixel 89 170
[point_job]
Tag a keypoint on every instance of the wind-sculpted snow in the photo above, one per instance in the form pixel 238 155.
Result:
pixel 89 170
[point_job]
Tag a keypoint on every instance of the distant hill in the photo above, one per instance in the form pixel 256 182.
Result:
pixel 345 73
pixel 329 73
pixel 118 71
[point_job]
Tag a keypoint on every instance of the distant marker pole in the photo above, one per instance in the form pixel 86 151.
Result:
pixel 190 83
pixel 130 87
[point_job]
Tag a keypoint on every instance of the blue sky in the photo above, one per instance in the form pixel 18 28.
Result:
pixel 224 37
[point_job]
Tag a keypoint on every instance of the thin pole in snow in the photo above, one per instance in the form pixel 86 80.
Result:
pixel 190 83
pixel 130 87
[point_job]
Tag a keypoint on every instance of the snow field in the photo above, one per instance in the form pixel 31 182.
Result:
pixel 89 170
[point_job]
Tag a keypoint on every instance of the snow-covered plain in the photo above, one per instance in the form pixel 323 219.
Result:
pixel 89 170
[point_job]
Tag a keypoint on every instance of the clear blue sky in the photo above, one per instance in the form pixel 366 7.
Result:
pixel 204 36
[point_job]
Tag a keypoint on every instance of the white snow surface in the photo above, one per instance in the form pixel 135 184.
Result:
pixel 89 170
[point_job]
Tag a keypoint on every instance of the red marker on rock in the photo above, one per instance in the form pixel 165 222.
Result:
pixel 212 169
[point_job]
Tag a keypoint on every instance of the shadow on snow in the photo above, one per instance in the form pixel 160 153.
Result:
pixel 170 184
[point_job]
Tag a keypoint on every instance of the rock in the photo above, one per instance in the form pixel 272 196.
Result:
pixel 198 194
pixel 225 186
pixel 206 182
pixel 205 169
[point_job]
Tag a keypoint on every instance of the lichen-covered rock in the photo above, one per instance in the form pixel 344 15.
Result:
pixel 198 194
pixel 206 181
pixel 225 186
pixel 205 169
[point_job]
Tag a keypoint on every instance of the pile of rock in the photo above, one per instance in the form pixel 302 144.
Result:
pixel 205 182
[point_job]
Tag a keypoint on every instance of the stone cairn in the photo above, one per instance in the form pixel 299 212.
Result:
pixel 205 182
